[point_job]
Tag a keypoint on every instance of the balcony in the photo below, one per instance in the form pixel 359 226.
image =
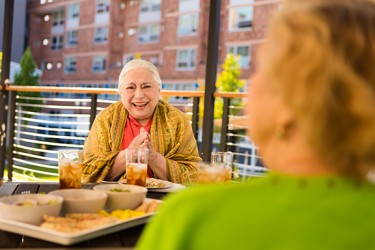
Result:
pixel 65 115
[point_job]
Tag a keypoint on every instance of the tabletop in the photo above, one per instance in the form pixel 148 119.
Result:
pixel 125 239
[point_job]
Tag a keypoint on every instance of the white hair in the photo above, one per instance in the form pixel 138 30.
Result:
pixel 139 63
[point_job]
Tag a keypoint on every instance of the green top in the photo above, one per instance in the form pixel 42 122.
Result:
pixel 274 212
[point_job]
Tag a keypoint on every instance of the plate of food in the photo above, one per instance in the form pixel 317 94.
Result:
pixel 77 227
pixel 152 183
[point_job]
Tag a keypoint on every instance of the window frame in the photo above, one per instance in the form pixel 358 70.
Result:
pixel 70 41
pixel 235 53
pixel 194 23
pixel 190 60
pixel 101 36
pixel 102 6
pixel 58 18
pixel 99 66
pixel 57 42
pixel 150 6
pixel 149 34
pixel 73 11
pixel 70 65
pixel 233 18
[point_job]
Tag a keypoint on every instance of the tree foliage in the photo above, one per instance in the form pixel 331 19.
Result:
pixel 27 76
pixel 228 81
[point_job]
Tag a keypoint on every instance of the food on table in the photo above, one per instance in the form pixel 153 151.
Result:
pixel 75 222
pixel 154 183
pixel 122 214
pixel 119 190
pixel 34 203
pixel 148 207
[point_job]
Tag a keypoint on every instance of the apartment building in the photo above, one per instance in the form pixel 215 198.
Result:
pixel 87 42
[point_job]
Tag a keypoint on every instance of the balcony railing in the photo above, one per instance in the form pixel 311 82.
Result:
pixel 63 118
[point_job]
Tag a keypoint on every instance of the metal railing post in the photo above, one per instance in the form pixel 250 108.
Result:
pixel 195 118
pixel 94 105
pixel 210 81
pixel 224 125
pixel 12 120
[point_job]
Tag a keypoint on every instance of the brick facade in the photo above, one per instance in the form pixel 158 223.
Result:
pixel 122 41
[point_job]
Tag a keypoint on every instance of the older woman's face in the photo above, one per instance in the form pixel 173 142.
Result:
pixel 139 94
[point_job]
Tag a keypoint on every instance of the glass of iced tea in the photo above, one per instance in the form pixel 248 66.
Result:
pixel 136 166
pixel 210 173
pixel 70 163
pixel 223 160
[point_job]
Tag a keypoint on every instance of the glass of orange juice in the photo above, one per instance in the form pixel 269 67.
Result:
pixel 136 166
pixel 70 163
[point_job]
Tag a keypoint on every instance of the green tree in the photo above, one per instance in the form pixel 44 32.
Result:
pixel 228 81
pixel 27 76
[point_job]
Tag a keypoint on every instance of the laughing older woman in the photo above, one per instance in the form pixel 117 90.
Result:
pixel 141 119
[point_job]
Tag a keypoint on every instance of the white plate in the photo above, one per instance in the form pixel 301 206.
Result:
pixel 70 238
pixel 175 187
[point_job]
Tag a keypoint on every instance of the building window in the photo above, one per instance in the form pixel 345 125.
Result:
pixel 243 53
pixel 70 65
pixel 150 5
pixel 186 59
pixel 102 6
pixel 127 58
pixel 101 35
pixel 240 18
pixel 73 11
pixel 188 5
pixel 57 43
pixel 98 63
pixel 155 60
pixel 187 24
pixel 58 18
pixel 149 33
pixel 71 38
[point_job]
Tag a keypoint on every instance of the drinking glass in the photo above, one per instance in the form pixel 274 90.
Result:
pixel 210 173
pixel 223 160
pixel 136 166
pixel 70 162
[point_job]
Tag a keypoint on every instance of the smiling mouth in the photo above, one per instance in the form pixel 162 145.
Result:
pixel 139 104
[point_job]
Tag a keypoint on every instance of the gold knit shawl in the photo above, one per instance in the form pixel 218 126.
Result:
pixel 171 136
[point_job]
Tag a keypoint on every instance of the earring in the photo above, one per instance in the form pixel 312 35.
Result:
pixel 280 133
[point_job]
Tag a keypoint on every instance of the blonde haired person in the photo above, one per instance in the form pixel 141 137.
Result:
pixel 141 120
pixel 311 107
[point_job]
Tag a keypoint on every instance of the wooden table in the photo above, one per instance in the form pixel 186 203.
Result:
pixel 125 239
